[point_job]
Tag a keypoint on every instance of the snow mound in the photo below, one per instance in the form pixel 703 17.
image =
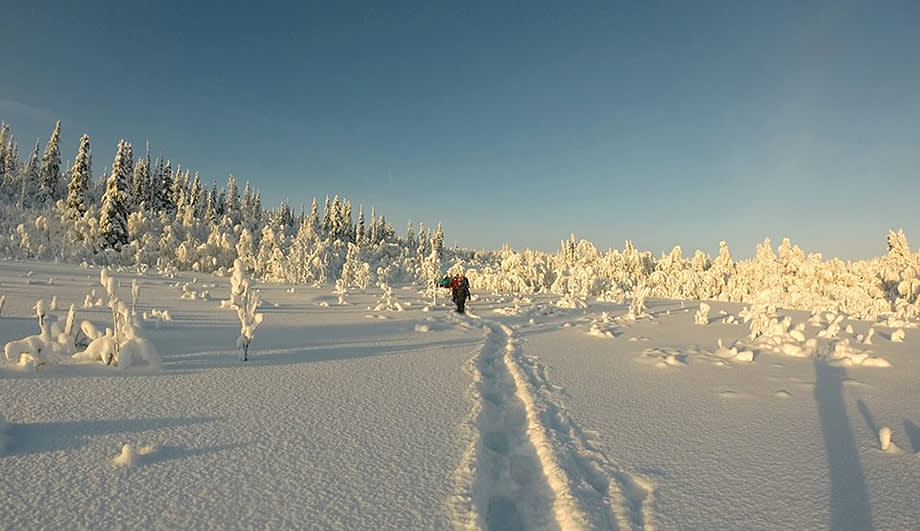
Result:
pixel 598 331
pixel 843 353
pixel 884 437
pixel 734 353
pixel 130 456
pixel 138 352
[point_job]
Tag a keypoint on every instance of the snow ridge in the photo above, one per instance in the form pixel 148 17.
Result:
pixel 590 490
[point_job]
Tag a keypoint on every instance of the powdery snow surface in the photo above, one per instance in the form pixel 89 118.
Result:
pixel 521 414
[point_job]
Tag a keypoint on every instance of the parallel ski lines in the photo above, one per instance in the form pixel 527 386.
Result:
pixel 528 465
pixel 499 483
pixel 592 491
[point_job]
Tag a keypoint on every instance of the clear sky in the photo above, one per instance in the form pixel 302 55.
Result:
pixel 661 122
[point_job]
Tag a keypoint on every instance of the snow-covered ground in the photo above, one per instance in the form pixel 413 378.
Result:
pixel 518 415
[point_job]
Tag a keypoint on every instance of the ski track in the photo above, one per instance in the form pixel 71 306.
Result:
pixel 528 464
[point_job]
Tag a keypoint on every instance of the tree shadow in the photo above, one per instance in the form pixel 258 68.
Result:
pixel 229 358
pixel 867 416
pixel 849 495
pixel 41 437
pixel 913 434
pixel 168 453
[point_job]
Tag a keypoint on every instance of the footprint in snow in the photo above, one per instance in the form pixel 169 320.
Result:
pixel 782 393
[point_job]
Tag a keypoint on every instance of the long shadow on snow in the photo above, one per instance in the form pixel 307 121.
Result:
pixel 168 453
pixel 913 433
pixel 849 496
pixel 298 355
pixel 41 437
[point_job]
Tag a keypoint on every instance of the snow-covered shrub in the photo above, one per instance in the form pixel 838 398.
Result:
pixel 702 315
pixel 246 301
pixel 388 301
pixel 54 342
pixel 637 307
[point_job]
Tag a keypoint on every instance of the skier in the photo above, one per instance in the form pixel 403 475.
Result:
pixel 460 291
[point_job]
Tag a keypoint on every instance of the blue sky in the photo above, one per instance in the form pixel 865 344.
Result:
pixel 661 122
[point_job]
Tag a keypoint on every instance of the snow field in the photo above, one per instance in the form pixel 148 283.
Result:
pixel 335 422
pixel 516 415
pixel 777 443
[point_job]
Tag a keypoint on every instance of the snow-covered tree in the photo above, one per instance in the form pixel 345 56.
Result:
pixel 4 153
pixel 49 185
pixel 431 271
pixel 437 241
pixel 232 199
pixel 76 203
pixel 246 302
pixel 113 218
pixel 29 180
pixel 360 235
pixel 351 267
pixel 162 189
pixel 140 184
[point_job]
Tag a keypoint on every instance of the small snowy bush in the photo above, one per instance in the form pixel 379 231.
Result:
pixel 702 315
pixel 246 302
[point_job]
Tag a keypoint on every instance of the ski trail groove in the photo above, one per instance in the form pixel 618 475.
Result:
pixel 592 491
pixel 500 482
pixel 529 465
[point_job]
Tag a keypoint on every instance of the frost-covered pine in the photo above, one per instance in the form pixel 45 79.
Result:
pixel 347 228
pixel 360 235
pixel 437 241
pixel 140 183
pixel 29 180
pixel 246 301
pixel 4 153
pixel 246 203
pixel 196 197
pixel 162 187
pixel 49 176
pixel 113 218
pixel 77 201
pixel 372 235
pixel 431 270
pixel 350 270
pixel 232 200
pixel 210 211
